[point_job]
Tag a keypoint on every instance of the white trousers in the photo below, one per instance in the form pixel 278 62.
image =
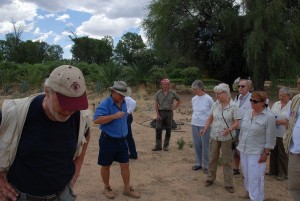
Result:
pixel 253 175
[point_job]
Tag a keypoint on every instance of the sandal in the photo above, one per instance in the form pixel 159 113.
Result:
pixel 196 167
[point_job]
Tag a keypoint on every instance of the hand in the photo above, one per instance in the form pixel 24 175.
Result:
pixel 263 158
pixel 158 118
pixel 202 132
pixel 119 114
pixel 226 131
pixel 7 192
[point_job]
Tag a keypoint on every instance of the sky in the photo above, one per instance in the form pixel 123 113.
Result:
pixel 51 20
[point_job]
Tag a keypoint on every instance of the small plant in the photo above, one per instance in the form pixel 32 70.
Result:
pixel 180 143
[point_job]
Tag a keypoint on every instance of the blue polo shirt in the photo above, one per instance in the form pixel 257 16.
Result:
pixel 118 127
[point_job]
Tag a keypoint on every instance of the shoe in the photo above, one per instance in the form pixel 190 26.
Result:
pixel 280 178
pixel 156 149
pixel 245 196
pixel 133 157
pixel 236 172
pixel 196 167
pixel 131 193
pixel 166 148
pixel 269 174
pixel 108 193
pixel 205 171
pixel 208 183
pixel 230 189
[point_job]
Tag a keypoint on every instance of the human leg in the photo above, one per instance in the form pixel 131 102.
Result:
pixel 197 146
pixel 214 151
pixel 205 148
pixel 168 118
pixel 255 173
pixel 294 176
pixel 226 150
pixel 130 139
pixel 128 190
pixel 282 161
pixel 273 161
pixel 236 155
pixel 105 175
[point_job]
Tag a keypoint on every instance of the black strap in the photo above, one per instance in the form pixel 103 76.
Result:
pixel 226 124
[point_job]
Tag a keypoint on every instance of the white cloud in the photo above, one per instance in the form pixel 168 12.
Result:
pixel 57 38
pixel 99 25
pixel 63 17
pixel 44 36
pixel 37 31
pixel 49 15
pixel 17 11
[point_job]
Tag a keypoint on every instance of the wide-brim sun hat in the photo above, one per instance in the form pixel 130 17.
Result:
pixel 121 88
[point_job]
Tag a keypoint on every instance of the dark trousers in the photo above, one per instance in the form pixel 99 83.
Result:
pixel 279 159
pixel 129 138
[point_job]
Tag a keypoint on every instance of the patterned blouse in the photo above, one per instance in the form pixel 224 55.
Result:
pixel 229 114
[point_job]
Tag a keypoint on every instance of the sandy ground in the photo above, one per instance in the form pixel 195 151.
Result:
pixel 162 175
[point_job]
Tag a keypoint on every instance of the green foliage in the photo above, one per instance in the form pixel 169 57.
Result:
pixel 180 142
pixel 129 45
pixel 91 50
pixel 190 74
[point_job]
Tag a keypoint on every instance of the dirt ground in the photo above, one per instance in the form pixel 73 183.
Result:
pixel 162 175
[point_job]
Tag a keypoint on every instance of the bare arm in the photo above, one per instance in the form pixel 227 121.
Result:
pixel 207 124
pixel 234 125
pixel 108 118
pixel 157 111
pixel 7 192
pixel 79 160
pixel 177 105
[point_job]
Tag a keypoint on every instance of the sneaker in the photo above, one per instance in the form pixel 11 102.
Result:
pixel 230 189
pixel 131 193
pixel 236 172
pixel 108 193
pixel 205 171
pixel 166 148
pixel 208 183
pixel 156 149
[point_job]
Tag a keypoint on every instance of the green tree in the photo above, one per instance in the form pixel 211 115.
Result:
pixel 129 45
pixel 272 45
pixel 91 50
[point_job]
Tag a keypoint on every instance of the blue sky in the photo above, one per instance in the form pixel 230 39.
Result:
pixel 52 20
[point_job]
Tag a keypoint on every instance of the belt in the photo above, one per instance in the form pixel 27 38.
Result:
pixel 108 137
pixel 165 110
pixel 46 198
pixel 29 197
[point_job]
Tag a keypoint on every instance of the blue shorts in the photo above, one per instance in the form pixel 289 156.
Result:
pixel 112 149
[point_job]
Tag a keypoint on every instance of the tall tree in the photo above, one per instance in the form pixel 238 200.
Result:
pixel 129 45
pixel 91 50
pixel 272 45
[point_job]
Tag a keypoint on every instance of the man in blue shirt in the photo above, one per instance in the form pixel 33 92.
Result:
pixel 111 114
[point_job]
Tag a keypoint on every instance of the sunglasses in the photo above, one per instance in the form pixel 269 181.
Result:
pixel 241 86
pixel 218 94
pixel 255 101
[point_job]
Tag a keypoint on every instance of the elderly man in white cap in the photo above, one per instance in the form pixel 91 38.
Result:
pixel 43 139
pixel 111 114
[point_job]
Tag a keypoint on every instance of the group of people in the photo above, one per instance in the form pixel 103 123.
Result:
pixel 258 131
pixel 44 137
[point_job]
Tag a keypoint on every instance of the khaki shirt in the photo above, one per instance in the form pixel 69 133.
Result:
pixel 165 102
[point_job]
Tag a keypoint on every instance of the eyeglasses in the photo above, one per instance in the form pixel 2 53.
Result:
pixel 218 94
pixel 255 101
pixel 241 86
